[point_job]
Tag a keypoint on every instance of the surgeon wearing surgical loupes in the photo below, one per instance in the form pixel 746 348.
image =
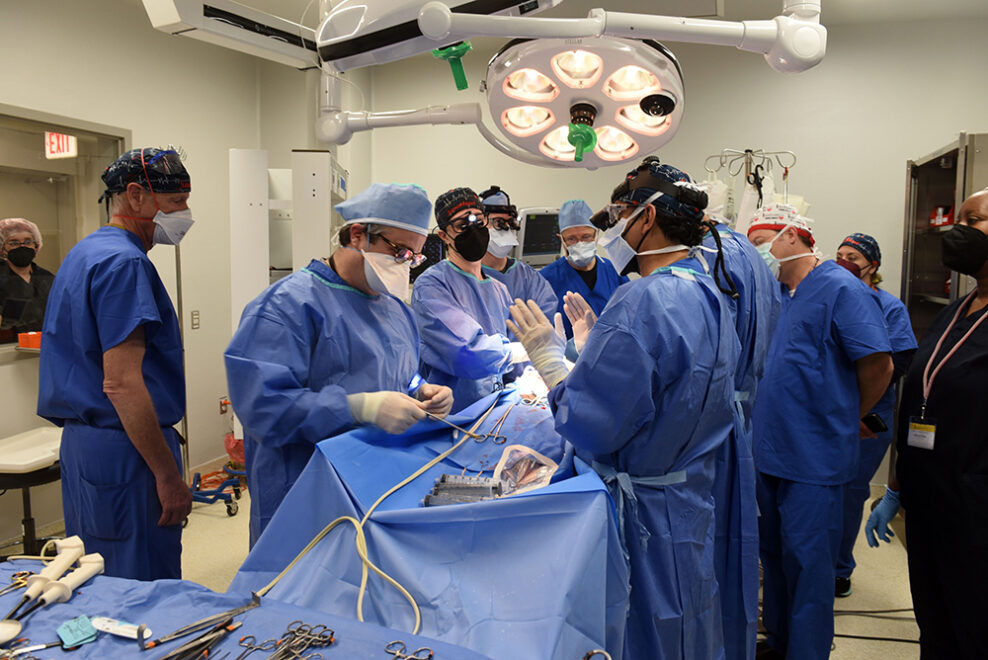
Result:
pixel 581 270
pixel 460 310
pixel 648 402
pixel 522 280
pixel 333 346
pixel 828 365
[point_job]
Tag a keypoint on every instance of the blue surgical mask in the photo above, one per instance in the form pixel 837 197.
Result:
pixel 765 249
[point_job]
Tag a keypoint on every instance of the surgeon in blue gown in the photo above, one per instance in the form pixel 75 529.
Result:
pixel 111 374
pixel 649 402
pixel 860 254
pixel 460 310
pixel 828 365
pixel 755 312
pixel 522 280
pixel 333 346
pixel 581 271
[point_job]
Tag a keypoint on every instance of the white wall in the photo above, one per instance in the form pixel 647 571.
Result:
pixel 884 93
pixel 101 61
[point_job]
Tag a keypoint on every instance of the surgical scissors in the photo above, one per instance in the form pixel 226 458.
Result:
pixel 249 642
pixel 495 433
pixel 17 581
pixel 397 649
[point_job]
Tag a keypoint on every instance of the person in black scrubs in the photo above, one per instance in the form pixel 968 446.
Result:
pixel 24 285
pixel 942 467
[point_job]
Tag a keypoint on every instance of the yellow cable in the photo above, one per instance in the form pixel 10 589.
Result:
pixel 361 541
pixel 42 558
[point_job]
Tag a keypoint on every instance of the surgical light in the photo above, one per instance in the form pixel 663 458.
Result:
pixel 630 83
pixel 556 145
pixel 588 102
pixel 634 118
pixel 530 85
pixel 526 120
pixel 613 144
pixel 578 68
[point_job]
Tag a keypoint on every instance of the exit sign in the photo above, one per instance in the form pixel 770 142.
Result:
pixel 59 145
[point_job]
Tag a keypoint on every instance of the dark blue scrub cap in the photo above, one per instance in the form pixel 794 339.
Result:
pixel 158 170
pixel 681 199
pixel 866 245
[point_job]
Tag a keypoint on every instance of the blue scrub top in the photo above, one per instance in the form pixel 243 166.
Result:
pixel 902 339
pixel 305 343
pixel 461 322
pixel 563 277
pixel 806 425
pixel 526 283
pixel 105 288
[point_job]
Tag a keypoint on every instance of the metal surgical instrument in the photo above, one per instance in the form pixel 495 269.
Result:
pixel 17 581
pixel 249 642
pixel 398 649
pixel 198 625
pixel 495 433
pixel 475 436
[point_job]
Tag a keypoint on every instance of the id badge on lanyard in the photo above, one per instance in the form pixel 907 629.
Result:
pixel 923 429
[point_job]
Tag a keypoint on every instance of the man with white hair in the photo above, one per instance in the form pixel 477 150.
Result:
pixel 828 365
pixel 24 285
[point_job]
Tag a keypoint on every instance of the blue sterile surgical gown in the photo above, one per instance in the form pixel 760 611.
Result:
pixel 563 277
pixel 464 337
pixel 649 402
pixel 806 437
pixel 105 289
pixel 903 342
pixel 755 313
pixel 304 344
pixel 526 283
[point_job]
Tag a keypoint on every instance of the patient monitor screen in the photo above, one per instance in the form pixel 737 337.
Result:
pixel 541 234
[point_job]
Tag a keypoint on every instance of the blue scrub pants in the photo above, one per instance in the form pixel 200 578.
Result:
pixel 109 499
pixel 856 492
pixel 799 534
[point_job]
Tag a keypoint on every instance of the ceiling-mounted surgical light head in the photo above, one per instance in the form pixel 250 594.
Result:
pixel 623 96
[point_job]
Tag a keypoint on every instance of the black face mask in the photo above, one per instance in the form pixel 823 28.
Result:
pixel 472 242
pixel 21 256
pixel 964 249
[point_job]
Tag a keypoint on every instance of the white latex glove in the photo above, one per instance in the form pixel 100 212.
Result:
pixel 438 399
pixel 581 316
pixel 518 352
pixel 392 412
pixel 545 348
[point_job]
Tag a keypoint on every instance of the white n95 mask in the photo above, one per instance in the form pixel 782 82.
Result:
pixel 502 240
pixel 582 254
pixel 385 275
pixel 171 228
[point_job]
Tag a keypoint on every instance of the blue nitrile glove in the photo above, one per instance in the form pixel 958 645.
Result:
pixel 881 517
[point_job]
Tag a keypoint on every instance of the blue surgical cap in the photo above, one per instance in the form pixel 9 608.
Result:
pixel 500 198
pixel 866 245
pixel 401 205
pixel 575 213
pixel 638 190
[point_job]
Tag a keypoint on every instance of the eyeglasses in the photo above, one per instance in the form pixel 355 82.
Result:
pixel 27 242
pixel 403 254
pixel 573 240
pixel 504 223
pixel 460 224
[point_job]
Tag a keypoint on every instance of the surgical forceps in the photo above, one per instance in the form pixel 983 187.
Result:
pixel 17 581
pixel 299 637
pixel 397 649
pixel 249 642
pixel 495 433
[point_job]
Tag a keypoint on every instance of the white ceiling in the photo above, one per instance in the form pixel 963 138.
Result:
pixel 835 12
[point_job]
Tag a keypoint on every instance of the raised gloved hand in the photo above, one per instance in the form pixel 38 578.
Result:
pixel 438 399
pixel 392 412
pixel 581 316
pixel 880 518
pixel 545 348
